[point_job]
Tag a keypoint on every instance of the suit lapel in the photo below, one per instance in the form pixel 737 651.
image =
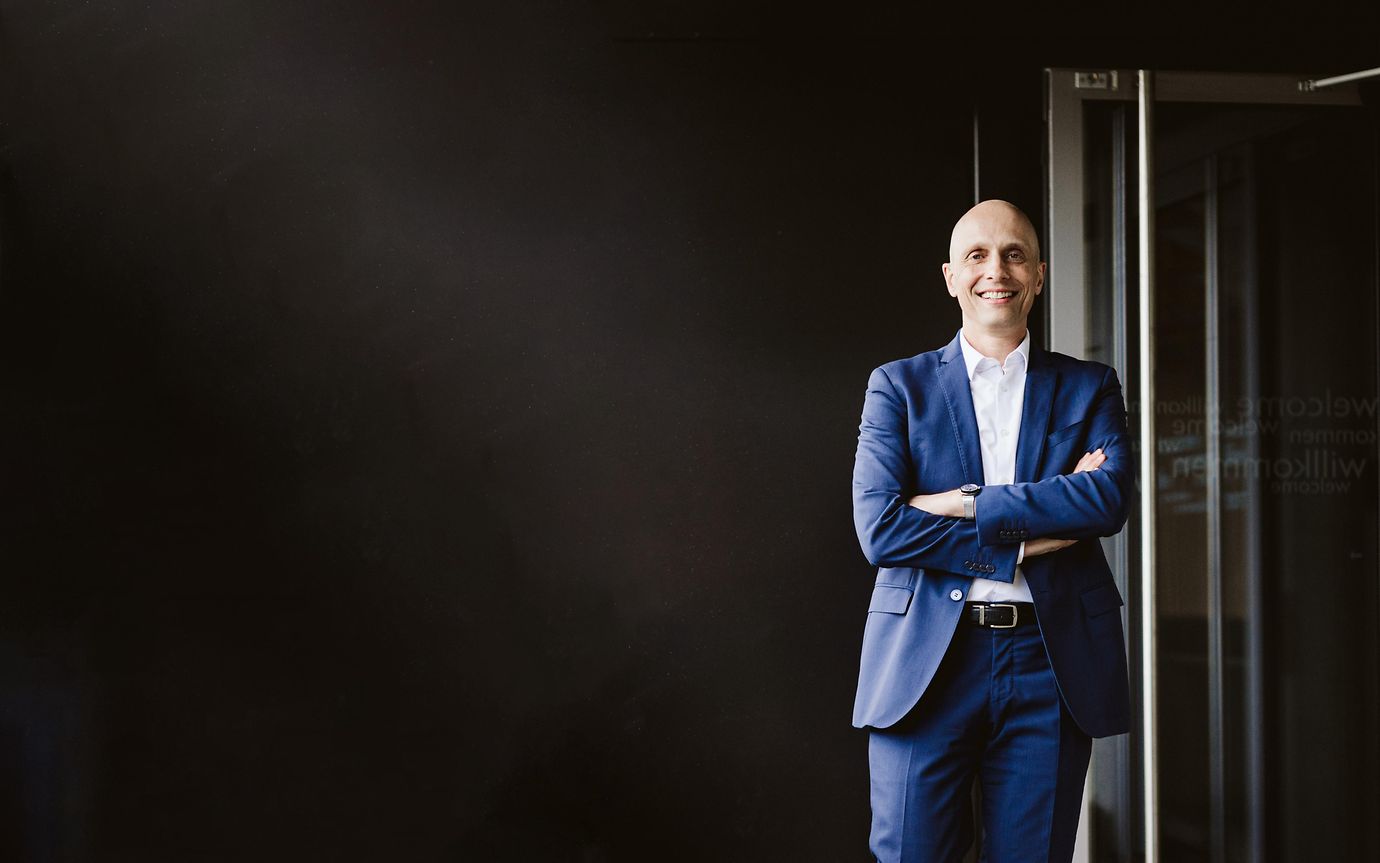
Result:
pixel 958 397
pixel 1039 397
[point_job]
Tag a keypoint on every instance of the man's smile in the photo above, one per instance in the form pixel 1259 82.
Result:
pixel 996 295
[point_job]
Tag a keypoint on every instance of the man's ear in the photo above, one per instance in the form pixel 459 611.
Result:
pixel 949 279
pixel 1040 285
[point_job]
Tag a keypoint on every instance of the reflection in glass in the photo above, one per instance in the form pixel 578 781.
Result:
pixel 1266 328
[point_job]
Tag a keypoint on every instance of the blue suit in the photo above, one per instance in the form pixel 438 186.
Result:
pixel 919 435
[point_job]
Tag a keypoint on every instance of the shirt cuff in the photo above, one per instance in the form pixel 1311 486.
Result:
pixel 1020 554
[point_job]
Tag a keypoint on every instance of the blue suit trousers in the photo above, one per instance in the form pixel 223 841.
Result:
pixel 993 714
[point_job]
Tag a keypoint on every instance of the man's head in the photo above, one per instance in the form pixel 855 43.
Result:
pixel 994 269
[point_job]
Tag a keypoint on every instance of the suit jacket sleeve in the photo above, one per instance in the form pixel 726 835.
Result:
pixel 1071 506
pixel 893 533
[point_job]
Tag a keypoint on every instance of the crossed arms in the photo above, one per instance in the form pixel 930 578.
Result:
pixel 897 529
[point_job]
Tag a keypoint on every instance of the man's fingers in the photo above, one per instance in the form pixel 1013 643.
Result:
pixel 1090 461
pixel 1084 463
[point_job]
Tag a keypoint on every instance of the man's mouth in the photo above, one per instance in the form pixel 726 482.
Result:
pixel 996 295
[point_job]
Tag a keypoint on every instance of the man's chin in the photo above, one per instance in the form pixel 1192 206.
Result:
pixel 1002 319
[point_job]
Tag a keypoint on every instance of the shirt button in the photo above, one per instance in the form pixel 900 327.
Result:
pixel 1005 432
pixel 955 594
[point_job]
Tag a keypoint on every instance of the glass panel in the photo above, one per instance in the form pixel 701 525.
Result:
pixel 1266 328
pixel 1305 360
pixel 1282 222
pixel 1181 516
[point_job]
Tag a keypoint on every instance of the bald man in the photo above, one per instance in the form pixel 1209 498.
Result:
pixel 993 651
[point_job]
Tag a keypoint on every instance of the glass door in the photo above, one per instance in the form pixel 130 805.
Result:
pixel 1264 641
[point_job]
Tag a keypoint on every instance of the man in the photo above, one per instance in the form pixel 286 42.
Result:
pixel 985 473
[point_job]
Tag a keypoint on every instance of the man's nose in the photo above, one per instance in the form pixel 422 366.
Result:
pixel 995 268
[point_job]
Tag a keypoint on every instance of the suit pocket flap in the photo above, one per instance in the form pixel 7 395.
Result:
pixel 1064 433
pixel 892 600
pixel 1101 599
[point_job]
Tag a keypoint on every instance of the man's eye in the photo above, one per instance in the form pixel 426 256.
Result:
pixel 1015 256
pixel 975 256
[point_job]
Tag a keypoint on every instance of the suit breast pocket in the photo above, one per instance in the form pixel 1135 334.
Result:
pixel 1066 435
pixel 1062 448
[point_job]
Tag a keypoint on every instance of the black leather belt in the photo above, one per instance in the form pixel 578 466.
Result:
pixel 1000 615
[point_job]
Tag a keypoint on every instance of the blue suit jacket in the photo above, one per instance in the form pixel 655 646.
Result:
pixel 919 435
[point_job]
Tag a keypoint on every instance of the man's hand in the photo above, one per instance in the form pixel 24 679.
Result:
pixel 1090 461
pixel 1044 545
pixel 950 503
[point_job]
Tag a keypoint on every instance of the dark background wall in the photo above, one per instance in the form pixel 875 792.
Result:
pixel 428 431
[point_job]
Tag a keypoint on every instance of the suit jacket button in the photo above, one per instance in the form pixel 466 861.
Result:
pixel 955 594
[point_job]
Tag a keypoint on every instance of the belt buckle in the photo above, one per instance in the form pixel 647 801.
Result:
pixel 1015 613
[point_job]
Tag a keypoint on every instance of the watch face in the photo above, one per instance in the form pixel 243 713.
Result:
pixel 970 488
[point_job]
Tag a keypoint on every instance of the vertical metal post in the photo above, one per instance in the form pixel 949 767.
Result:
pixel 1252 558
pixel 1120 313
pixel 1121 543
pixel 1146 202
pixel 1067 288
pixel 1212 439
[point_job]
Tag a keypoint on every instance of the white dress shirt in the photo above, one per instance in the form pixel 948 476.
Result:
pixel 998 396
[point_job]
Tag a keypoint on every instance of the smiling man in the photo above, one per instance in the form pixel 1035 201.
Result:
pixel 984 475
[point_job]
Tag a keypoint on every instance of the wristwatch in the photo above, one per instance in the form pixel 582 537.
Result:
pixel 970 493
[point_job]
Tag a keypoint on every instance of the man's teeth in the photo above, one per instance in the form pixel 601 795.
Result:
pixel 996 295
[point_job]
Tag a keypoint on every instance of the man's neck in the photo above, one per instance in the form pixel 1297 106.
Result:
pixel 995 345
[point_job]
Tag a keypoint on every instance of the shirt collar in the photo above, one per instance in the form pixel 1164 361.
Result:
pixel 973 359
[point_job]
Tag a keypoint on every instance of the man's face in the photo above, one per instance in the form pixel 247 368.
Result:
pixel 993 269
